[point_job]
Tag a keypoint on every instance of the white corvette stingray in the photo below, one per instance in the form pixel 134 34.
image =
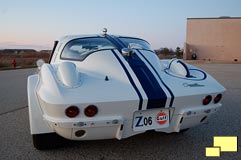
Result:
pixel 106 86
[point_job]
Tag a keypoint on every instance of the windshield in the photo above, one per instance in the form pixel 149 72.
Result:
pixel 135 43
pixel 79 49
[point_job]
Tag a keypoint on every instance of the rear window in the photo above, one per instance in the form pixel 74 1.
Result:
pixel 79 49
pixel 136 43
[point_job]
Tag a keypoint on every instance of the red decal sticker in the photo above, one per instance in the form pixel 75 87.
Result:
pixel 161 118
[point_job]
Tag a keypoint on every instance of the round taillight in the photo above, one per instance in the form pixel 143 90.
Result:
pixel 72 111
pixel 207 100
pixel 91 111
pixel 217 98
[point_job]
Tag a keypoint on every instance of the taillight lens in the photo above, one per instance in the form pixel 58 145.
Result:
pixel 217 98
pixel 72 111
pixel 91 111
pixel 207 100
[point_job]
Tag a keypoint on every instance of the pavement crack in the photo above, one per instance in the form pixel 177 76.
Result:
pixel 13 110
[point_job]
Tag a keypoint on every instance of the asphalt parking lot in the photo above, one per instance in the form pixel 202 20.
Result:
pixel 16 143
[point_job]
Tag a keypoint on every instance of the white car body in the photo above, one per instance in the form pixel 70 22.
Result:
pixel 133 90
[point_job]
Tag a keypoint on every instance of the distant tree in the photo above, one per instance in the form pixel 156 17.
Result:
pixel 171 51
pixel 158 51
pixel 165 51
pixel 179 52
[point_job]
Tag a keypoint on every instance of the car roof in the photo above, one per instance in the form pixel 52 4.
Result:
pixel 71 37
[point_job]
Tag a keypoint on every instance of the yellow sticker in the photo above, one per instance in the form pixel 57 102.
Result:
pixel 226 143
pixel 212 151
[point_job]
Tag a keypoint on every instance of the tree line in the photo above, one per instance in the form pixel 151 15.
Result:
pixel 169 51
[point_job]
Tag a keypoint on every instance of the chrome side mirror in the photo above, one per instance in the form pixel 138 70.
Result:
pixel 127 52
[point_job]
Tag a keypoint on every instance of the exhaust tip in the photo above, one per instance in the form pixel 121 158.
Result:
pixel 80 133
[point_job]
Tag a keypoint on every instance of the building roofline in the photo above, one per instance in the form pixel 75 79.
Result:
pixel 222 17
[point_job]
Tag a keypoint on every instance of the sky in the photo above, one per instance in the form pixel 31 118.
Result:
pixel 38 23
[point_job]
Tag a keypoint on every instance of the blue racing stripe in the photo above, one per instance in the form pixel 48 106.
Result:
pixel 155 94
pixel 169 90
pixel 130 79
pixel 113 40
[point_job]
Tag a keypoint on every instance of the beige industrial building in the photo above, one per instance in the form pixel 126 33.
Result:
pixel 213 39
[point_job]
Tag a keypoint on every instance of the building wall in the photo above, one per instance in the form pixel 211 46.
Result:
pixel 213 39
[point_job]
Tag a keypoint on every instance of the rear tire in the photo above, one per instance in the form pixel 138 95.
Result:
pixel 46 141
pixel 180 131
pixel 183 130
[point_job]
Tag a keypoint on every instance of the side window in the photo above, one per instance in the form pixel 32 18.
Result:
pixel 79 49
